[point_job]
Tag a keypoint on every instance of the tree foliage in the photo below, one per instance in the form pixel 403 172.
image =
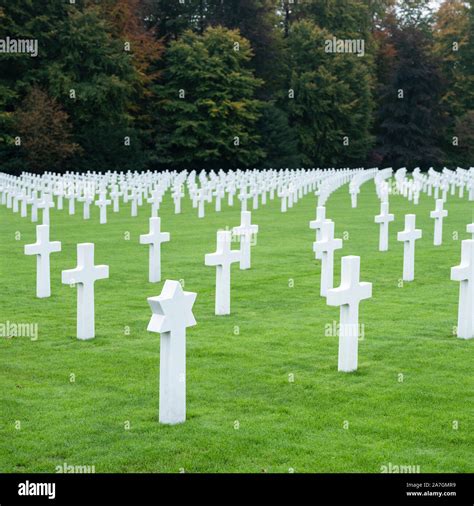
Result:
pixel 44 131
pixel 410 115
pixel 111 71
pixel 332 104
pixel 207 107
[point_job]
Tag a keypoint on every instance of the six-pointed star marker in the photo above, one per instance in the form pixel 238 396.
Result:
pixel 172 309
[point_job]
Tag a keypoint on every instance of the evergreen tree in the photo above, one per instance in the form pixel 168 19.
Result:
pixel 83 67
pixel 464 81
pixel 464 131
pixel 207 111
pixel 343 18
pixel 171 18
pixel 330 99
pixel 21 20
pixel 450 38
pixel 257 21
pixel 278 138
pixel 410 117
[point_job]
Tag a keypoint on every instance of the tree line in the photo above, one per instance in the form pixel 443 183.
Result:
pixel 142 84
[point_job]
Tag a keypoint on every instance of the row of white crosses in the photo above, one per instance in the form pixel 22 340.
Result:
pixel 326 244
pixel 358 180
pixel 351 291
pixel 84 188
pixel 436 184
pixel 85 273
pixel 348 295
pixel 84 276
pixel 462 273
pixel 106 189
pixel 225 256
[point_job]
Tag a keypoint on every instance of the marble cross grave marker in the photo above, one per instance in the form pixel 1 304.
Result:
pixel 464 273
pixel 154 238
pixel 222 259
pixel 245 231
pixel 102 203
pixel 172 314
pixel 384 218
pixel 317 224
pixel 34 201
pixel 46 203
pixel 43 248
pixel 438 214
pixel 348 296
pixel 325 248
pixel 85 275
pixel 408 237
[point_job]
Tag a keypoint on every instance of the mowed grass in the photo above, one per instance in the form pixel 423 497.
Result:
pixel 410 402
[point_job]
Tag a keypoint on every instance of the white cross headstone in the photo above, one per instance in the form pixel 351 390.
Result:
pixel 34 201
pixel 114 195
pixel 230 195
pixel 71 196
pixel 85 275
pixel 284 194
pixel 43 248
pixel 201 196
pixel 178 194
pixel 102 203
pixel 16 194
pixel 317 224
pixel 438 214
pixel 172 314
pixel 243 196
pixel 87 198
pixel 354 192
pixel 348 296
pixel 24 201
pixel 155 202
pixel 222 259
pixel 255 194
pixel 154 238
pixel 46 203
pixel 384 218
pixel 219 194
pixel 408 237
pixel 464 273
pixel 134 205
pixel 245 231
pixel 325 248
pixel 60 194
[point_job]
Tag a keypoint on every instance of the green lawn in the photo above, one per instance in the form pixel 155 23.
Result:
pixel 414 385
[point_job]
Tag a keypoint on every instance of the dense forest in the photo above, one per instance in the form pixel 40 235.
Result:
pixel 156 84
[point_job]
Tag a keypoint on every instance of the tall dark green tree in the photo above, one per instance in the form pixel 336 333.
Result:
pixel 410 116
pixel 465 70
pixel 257 21
pixel 84 68
pixel 279 139
pixel 207 106
pixel 342 18
pixel 171 18
pixel 329 99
